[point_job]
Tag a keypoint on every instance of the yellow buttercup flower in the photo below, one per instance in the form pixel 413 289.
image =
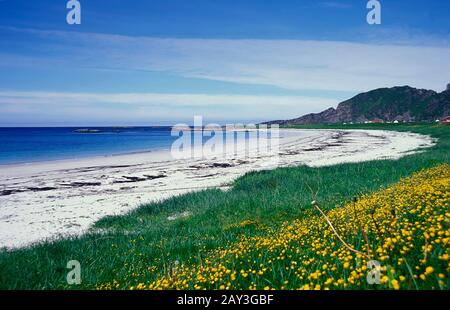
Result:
pixel 405 226
pixel 395 284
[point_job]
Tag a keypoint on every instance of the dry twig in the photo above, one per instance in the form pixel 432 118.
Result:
pixel 316 205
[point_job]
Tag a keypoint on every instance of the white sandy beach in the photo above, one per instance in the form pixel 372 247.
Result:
pixel 60 198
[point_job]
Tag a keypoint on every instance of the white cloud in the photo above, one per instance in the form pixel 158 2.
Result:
pixel 130 99
pixel 123 107
pixel 289 64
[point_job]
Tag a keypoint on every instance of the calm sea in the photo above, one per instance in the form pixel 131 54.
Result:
pixel 24 145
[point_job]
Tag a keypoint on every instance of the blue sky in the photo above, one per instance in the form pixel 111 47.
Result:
pixel 162 62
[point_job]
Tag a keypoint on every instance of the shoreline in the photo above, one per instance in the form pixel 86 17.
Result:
pixel 157 153
pixel 6 170
pixel 73 195
pixel 80 158
pixel 99 156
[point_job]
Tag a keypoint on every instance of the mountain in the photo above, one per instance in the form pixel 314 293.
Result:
pixel 388 104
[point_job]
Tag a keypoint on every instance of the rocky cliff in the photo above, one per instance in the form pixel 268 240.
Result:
pixel 388 104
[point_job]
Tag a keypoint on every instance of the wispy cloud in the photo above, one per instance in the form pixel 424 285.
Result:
pixel 285 64
pixel 289 64
pixel 141 107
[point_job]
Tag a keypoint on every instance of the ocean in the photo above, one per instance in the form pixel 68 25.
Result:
pixel 26 145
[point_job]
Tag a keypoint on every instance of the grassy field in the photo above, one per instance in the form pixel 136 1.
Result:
pixel 144 246
pixel 405 228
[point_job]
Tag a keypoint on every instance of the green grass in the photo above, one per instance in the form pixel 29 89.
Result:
pixel 145 242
